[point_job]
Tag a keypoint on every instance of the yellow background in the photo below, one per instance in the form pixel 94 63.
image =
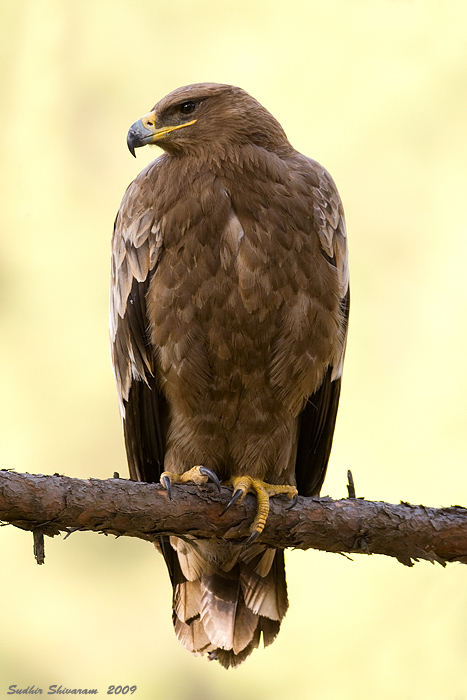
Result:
pixel 376 90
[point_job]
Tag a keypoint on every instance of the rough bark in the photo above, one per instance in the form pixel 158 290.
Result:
pixel 48 505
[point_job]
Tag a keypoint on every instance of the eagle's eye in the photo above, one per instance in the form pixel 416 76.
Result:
pixel 187 107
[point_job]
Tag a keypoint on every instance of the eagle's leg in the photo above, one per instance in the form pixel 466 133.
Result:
pixel 244 484
pixel 197 475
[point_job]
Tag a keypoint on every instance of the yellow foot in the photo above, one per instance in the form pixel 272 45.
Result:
pixel 197 475
pixel 244 484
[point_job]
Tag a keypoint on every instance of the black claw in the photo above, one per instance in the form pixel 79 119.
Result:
pixel 233 500
pixel 253 537
pixel 205 471
pixel 292 503
pixel 167 484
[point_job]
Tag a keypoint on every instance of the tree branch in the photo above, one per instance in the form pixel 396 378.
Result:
pixel 48 505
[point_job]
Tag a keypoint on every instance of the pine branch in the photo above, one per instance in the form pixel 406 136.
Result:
pixel 48 505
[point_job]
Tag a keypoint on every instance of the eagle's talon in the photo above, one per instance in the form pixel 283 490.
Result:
pixel 292 503
pixel 197 475
pixel 205 471
pixel 236 495
pixel 263 491
pixel 167 484
pixel 253 537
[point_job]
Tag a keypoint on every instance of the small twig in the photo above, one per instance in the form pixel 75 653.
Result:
pixel 71 530
pixel 39 547
pixel 350 485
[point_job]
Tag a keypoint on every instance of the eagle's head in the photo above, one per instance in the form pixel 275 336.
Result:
pixel 199 117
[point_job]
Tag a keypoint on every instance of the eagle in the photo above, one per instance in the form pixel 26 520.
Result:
pixel 228 323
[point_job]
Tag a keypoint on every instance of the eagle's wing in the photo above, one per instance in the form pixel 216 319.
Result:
pixel 136 250
pixel 318 418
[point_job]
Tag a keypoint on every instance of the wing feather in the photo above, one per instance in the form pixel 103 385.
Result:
pixel 318 418
pixel 136 250
pixel 330 222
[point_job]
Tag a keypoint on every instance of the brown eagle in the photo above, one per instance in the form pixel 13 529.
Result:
pixel 229 308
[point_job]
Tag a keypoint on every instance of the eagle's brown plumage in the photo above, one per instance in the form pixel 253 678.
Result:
pixel 229 306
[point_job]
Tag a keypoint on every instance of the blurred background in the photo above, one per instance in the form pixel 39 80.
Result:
pixel 376 90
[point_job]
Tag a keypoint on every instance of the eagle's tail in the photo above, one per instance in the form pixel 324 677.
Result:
pixel 225 597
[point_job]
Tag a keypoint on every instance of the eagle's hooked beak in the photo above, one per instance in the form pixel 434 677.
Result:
pixel 145 131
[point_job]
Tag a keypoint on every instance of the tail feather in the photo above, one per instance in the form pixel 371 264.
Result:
pixel 192 636
pixel 270 630
pixel 228 622
pixel 228 659
pixel 266 595
pixel 193 562
pixel 187 600
pixel 238 596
